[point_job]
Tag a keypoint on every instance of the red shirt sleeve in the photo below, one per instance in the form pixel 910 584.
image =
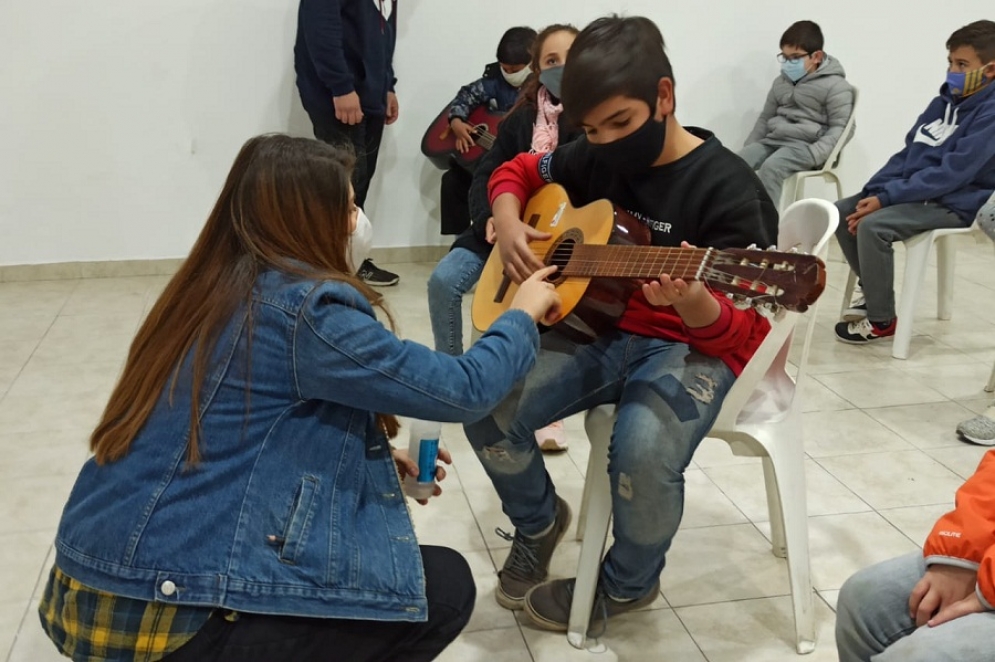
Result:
pixel 519 176
pixel 731 330
pixel 965 536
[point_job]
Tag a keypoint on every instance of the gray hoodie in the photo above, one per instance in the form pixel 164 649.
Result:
pixel 814 110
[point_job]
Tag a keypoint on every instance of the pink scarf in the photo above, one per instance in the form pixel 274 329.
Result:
pixel 546 131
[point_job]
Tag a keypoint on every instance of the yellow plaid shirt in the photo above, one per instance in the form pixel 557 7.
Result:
pixel 89 625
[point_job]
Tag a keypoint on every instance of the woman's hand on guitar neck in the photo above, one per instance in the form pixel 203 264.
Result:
pixel 513 238
pixel 538 297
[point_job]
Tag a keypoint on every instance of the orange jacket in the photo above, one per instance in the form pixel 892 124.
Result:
pixel 965 537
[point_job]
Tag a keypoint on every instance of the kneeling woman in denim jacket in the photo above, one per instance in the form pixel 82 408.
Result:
pixel 243 501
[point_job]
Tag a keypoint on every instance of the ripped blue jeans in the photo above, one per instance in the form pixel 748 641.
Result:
pixel 668 396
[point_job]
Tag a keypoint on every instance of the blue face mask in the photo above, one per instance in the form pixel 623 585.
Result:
pixel 794 69
pixel 966 83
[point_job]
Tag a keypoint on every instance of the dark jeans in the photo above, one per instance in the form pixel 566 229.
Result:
pixel 454 199
pixel 365 140
pixel 260 638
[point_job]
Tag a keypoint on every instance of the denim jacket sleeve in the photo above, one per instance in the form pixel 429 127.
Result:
pixel 343 354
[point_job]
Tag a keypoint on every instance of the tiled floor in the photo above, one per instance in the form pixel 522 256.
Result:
pixel 883 463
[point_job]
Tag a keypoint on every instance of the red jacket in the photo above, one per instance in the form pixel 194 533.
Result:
pixel 965 536
pixel 733 337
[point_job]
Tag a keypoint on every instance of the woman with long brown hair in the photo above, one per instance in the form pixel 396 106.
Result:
pixel 243 501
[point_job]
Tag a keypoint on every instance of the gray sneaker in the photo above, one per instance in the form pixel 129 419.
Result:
pixel 548 606
pixel 528 562
pixel 978 430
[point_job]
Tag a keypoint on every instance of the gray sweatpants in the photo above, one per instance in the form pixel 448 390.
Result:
pixel 869 251
pixel 775 163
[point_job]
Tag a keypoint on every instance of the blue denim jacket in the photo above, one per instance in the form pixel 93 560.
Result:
pixel 295 507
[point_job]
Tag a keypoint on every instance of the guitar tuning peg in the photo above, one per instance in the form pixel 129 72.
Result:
pixel 753 247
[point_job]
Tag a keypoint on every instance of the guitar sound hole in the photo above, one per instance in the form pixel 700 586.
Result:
pixel 562 252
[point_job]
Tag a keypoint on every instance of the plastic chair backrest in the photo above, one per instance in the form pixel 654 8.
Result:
pixel 835 156
pixel 764 388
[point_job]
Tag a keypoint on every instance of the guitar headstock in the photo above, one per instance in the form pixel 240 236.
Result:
pixel 792 281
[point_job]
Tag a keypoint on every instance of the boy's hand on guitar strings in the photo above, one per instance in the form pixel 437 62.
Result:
pixel 464 137
pixel 490 234
pixel 513 238
pixel 538 297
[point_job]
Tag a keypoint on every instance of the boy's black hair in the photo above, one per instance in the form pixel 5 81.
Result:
pixel 806 35
pixel 614 56
pixel 979 35
pixel 515 46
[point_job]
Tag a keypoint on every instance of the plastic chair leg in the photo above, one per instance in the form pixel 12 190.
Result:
pixel 851 284
pixel 774 508
pixel 788 474
pixel 916 259
pixel 595 518
pixel 991 381
pixel 945 265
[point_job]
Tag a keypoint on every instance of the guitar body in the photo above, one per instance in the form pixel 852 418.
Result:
pixel 439 142
pixel 603 253
pixel 591 306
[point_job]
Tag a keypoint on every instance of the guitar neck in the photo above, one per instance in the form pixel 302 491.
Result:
pixel 594 261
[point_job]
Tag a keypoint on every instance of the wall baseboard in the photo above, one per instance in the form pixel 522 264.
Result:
pixel 167 267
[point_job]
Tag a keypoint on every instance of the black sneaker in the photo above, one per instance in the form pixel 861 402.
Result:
pixel 548 606
pixel 865 331
pixel 528 562
pixel 374 275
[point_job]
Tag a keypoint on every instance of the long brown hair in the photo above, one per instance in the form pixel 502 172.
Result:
pixel 530 89
pixel 285 205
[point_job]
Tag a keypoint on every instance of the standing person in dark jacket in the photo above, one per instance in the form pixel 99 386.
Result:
pixel 940 179
pixel 535 125
pixel 345 74
pixel 498 90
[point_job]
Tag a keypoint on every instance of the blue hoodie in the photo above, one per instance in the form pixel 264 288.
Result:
pixel 949 156
pixel 345 46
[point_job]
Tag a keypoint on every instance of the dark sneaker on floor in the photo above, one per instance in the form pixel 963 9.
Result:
pixel 856 312
pixel 865 331
pixel 374 275
pixel 548 606
pixel 528 562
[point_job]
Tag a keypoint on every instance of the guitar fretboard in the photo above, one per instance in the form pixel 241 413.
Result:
pixel 594 261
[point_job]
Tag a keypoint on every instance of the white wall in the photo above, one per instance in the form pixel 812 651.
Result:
pixel 119 118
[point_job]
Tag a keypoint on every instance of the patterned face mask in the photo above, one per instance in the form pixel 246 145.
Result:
pixel 966 83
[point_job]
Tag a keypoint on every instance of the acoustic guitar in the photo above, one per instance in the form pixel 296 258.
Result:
pixel 439 142
pixel 602 253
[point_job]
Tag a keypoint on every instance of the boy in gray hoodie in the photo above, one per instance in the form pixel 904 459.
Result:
pixel 806 111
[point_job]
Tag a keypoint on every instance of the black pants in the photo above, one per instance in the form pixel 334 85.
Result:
pixel 365 140
pixel 259 638
pixel 454 199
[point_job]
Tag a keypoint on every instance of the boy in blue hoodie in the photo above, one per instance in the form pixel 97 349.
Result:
pixel 345 73
pixel 498 90
pixel 940 179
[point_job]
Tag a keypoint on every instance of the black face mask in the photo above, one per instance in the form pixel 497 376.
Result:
pixel 637 151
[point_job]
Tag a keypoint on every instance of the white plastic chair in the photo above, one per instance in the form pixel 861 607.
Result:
pixel 760 417
pixel 794 186
pixel 916 262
